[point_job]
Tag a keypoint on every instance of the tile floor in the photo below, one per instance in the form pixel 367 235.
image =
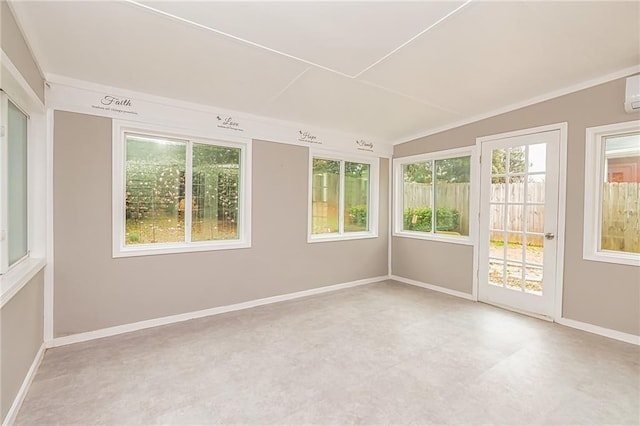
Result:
pixel 386 353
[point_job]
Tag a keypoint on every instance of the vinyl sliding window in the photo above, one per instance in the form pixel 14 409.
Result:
pixel 433 196
pixel 343 197
pixel 612 194
pixel 178 193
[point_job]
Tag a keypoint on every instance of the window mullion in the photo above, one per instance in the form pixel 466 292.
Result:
pixel 188 192
pixel 4 185
pixel 433 196
pixel 341 199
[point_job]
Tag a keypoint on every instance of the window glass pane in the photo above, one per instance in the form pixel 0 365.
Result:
pixel 215 183
pixel 325 196
pixel 417 195
pixel 155 190
pixel 17 234
pixel 356 197
pixel 452 195
pixel 621 194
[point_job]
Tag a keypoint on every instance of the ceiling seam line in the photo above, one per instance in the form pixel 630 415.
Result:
pixel 435 24
pixel 412 98
pixel 281 92
pixel 231 36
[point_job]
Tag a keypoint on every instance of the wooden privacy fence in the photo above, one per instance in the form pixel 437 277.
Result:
pixel 621 216
pixel 451 195
pixel 620 212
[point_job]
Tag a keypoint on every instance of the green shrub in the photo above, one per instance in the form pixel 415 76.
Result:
pixel 419 219
pixel 358 215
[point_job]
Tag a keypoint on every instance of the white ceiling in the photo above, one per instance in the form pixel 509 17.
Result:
pixel 385 70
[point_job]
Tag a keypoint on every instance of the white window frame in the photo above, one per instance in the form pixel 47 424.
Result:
pixel 120 248
pixel 593 180
pixel 398 204
pixel 374 189
pixel 4 186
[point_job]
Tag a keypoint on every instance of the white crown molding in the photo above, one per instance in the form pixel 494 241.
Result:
pixel 80 96
pixel 532 101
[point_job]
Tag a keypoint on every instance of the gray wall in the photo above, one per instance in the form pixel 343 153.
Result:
pixel 93 290
pixel 604 294
pixel 21 318
pixel 21 323
pixel 14 45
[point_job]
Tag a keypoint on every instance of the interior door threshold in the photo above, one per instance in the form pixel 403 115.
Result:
pixel 519 311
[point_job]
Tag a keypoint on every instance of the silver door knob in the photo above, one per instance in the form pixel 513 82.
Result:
pixel 549 236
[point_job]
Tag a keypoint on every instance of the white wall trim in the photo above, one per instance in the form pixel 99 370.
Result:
pixel 602 331
pixel 141 325
pixel 562 219
pixel 26 384
pixel 433 287
pixel 49 270
pixel 28 97
pixel 19 276
pixel 532 101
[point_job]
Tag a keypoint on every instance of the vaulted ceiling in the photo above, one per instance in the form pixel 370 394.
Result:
pixel 386 70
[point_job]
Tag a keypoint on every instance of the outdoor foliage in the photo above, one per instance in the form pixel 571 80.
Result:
pixel 419 219
pixel 358 215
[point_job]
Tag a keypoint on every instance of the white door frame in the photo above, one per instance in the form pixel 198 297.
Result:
pixel 562 198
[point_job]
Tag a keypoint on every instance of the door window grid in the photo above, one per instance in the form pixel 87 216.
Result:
pixel 514 270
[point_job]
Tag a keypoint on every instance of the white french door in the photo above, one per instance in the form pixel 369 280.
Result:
pixel 518 221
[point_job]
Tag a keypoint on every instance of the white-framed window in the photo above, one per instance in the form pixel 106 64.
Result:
pixel 175 193
pixel 343 196
pixel 612 193
pixel 14 214
pixel 433 196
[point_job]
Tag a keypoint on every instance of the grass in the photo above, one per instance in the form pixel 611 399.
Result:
pixel 169 229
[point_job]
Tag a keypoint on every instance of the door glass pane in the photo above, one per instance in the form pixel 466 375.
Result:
pixel 497 217
pixel 496 272
pixel 533 279
pixel 537 158
pixel 517 160
pixel 514 276
pixel 497 245
pixel 155 182
pixel 498 162
pixel 356 197
pixel 325 196
pixel 498 189
pixel 215 183
pixel 516 189
pixel 620 193
pixel 17 233
pixel 535 218
pixel 418 188
pixel 535 188
pixel 515 251
pixel 515 218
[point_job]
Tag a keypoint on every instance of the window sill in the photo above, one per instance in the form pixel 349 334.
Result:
pixel 322 238
pixel 13 280
pixel 156 249
pixel 613 257
pixel 443 238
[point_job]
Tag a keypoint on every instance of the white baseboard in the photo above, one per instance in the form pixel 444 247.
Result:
pixel 126 328
pixel 22 392
pixel 595 329
pixel 437 288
